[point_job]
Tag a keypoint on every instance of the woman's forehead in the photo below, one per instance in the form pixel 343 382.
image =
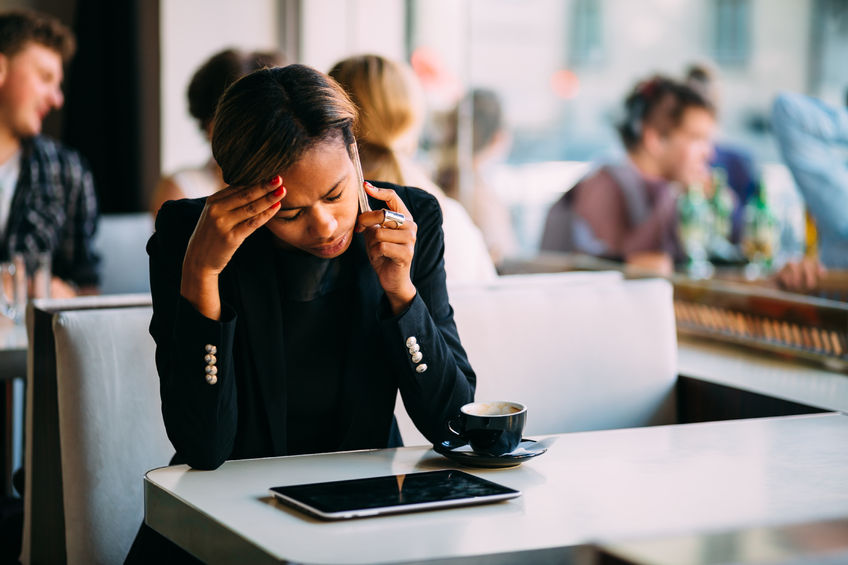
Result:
pixel 321 168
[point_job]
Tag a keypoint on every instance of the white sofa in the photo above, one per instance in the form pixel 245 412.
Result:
pixel 583 350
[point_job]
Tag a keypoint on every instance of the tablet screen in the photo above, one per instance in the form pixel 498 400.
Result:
pixel 392 493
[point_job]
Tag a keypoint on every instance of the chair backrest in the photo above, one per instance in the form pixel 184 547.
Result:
pixel 583 351
pixel 94 427
pixel 120 241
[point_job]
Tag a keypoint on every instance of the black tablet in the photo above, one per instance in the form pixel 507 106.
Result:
pixel 391 494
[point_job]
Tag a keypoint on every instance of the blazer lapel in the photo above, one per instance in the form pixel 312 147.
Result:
pixel 259 292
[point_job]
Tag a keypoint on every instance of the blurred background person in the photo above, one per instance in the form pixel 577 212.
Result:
pixel 490 144
pixel 205 88
pixel 47 198
pixel 730 165
pixel 812 137
pixel 628 211
pixel 391 112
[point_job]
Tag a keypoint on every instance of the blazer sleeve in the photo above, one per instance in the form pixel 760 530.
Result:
pixel 435 386
pixel 200 418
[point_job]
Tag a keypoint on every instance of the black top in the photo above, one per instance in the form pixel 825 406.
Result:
pixel 316 296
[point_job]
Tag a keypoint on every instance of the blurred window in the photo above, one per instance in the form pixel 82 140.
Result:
pixel 586 37
pixel 561 69
pixel 732 31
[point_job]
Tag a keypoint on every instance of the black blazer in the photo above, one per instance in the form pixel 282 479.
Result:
pixel 243 415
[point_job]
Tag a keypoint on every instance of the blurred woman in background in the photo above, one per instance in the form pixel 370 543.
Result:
pixel 391 113
pixel 206 87
pixel 490 142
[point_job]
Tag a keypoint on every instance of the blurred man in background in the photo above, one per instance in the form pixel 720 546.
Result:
pixel 628 211
pixel 813 137
pixel 47 199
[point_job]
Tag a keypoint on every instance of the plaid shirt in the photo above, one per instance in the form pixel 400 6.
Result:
pixel 54 208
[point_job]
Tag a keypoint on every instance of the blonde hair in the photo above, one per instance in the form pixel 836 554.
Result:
pixel 390 112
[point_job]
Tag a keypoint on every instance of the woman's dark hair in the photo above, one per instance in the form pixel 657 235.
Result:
pixel 660 103
pixel 221 70
pixel 487 121
pixel 268 119
pixel 488 117
pixel 19 27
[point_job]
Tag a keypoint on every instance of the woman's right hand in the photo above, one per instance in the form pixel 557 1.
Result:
pixel 228 218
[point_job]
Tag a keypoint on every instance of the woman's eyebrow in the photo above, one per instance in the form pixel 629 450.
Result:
pixel 326 194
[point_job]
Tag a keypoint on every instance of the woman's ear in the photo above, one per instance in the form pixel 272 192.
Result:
pixel 652 141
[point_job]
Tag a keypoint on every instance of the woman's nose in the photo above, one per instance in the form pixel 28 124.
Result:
pixel 324 223
pixel 58 98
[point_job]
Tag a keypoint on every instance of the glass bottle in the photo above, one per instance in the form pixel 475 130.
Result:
pixel 758 242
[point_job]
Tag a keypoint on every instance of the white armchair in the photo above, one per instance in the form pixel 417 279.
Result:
pixel 94 427
pixel 583 350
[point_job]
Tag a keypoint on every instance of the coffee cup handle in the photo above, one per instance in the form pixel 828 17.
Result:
pixel 455 427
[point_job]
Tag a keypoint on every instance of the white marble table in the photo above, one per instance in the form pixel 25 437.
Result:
pixel 591 487
pixel 763 373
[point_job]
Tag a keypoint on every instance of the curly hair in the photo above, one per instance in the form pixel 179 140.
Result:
pixel 20 27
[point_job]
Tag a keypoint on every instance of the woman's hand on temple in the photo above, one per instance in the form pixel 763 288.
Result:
pixel 390 250
pixel 228 218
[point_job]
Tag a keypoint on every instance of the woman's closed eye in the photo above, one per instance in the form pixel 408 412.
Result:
pixel 297 214
pixel 287 218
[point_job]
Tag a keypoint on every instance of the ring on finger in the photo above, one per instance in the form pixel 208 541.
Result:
pixel 392 220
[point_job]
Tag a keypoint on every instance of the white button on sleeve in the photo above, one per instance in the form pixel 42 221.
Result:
pixel 210 369
pixel 417 356
pixel 421 368
pixel 411 340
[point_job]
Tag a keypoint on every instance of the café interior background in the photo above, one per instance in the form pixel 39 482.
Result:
pixel 561 68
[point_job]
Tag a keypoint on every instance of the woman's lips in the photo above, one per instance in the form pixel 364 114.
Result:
pixel 332 248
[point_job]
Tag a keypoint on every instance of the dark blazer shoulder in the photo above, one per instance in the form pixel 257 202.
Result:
pixel 176 219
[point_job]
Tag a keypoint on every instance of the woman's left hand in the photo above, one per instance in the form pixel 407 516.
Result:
pixel 390 249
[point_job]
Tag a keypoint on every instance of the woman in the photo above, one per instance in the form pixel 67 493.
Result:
pixel 391 113
pixel 206 87
pixel 489 143
pixel 285 320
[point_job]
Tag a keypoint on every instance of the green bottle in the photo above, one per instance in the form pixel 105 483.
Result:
pixel 758 243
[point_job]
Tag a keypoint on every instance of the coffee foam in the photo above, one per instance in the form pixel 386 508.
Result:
pixel 492 408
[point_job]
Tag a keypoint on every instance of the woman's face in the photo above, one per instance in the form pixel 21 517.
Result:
pixel 319 211
pixel 688 148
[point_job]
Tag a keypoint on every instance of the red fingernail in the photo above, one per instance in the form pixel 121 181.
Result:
pixel 277 180
pixel 369 185
pixel 275 205
pixel 279 191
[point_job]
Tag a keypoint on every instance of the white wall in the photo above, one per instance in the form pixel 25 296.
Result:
pixel 191 31
pixel 335 29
